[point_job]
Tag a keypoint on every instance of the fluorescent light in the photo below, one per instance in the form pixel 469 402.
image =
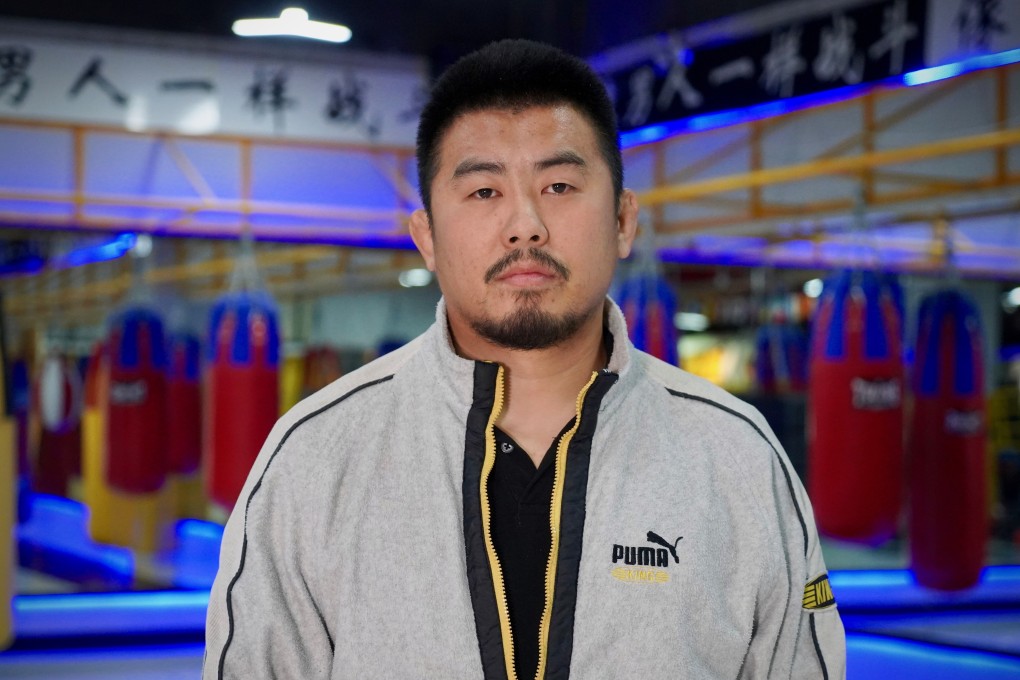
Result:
pixel 690 321
pixel 415 278
pixel 293 21
pixel 1011 300
pixel 813 288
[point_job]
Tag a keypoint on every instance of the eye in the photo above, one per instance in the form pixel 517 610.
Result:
pixel 558 188
pixel 484 193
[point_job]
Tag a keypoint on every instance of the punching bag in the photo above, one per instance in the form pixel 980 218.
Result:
pixel 948 511
pixel 855 410
pixel 184 418
pixel 184 404
pixel 60 397
pixel 136 409
pixel 648 305
pixel 780 363
pixel 243 395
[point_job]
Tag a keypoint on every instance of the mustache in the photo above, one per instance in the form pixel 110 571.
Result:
pixel 533 254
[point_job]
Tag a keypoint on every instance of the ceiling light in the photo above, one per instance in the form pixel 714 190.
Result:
pixel 293 21
pixel 142 246
pixel 813 288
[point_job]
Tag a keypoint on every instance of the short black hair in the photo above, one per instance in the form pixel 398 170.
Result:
pixel 514 75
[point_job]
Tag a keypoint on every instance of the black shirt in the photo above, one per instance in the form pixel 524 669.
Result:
pixel 519 500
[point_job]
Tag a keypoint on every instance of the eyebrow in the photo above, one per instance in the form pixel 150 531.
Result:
pixel 561 158
pixel 473 165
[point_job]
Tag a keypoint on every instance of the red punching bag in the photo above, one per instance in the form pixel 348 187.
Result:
pixel 243 396
pixel 948 510
pixel 60 398
pixel 184 404
pixel 855 410
pixel 136 410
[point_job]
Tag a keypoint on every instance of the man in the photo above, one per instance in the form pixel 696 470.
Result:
pixel 519 493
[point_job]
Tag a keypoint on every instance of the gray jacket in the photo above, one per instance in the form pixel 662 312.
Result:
pixel 683 543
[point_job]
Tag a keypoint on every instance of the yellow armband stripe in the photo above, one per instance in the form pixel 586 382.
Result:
pixel 818 594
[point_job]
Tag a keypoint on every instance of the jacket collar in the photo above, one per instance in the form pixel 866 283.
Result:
pixel 456 373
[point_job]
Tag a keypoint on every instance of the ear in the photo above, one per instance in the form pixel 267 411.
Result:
pixel 626 222
pixel 421 234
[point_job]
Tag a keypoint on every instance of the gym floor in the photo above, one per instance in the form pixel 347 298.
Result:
pixel 895 628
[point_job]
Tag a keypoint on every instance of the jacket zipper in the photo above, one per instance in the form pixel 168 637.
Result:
pixel 497 570
pixel 555 511
pixel 555 508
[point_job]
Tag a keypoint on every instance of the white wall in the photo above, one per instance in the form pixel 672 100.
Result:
pixel 360 320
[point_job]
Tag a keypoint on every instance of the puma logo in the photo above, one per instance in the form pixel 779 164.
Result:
pixel 645 556
pixel 671 547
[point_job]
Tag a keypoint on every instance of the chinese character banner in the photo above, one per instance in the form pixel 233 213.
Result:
pixel 958 29
pixel 866 43
pixel 165 89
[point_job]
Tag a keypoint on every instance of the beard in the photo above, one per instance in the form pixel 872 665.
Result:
pixel 529 327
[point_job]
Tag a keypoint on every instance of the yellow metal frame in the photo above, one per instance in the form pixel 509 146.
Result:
pixel 387 158
pixel 689 184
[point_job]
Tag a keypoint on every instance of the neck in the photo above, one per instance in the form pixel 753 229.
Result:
pixel 541 386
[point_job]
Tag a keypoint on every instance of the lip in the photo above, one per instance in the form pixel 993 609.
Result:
pixel 528 274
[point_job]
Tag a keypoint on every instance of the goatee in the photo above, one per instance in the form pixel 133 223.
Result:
pixel 529 327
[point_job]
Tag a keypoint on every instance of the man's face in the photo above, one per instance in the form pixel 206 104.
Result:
pixel 526 232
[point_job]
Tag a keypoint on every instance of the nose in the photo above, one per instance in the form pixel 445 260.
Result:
pixel 524 226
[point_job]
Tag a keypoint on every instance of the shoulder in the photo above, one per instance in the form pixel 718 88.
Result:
pixel 358 390
pixel 737 431
pixel 688 391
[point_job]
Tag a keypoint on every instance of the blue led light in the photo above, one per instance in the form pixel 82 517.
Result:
pixel 123 613
pixel 98 603
pixel 878 658
pixel 56 531
pixel 102 252
pixel 708 121
pixel 1003 574
pixel 200 529
pixel 889 590
pixel 930 75
pixel 644 135
pixel 58 505
pixel 943 71
pixel 893 578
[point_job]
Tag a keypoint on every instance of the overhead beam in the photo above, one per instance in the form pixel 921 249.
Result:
pixel 831 166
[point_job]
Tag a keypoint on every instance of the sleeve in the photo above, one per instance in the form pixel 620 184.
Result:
pixel 263 620
pixel 819 648
pixel 798 632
